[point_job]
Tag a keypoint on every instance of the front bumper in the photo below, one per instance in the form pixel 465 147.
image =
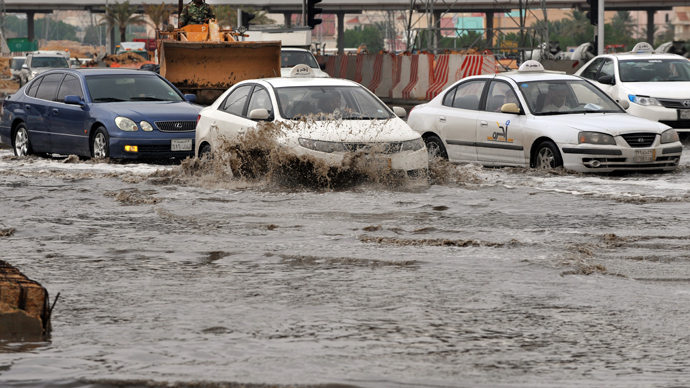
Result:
pixel 147 149
pixel 407 161
pixel 668 116
pixel 601 159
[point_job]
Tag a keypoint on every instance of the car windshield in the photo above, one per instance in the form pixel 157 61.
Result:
pixel 119 87
pixel 54 62
pixel 654 70
pixel 320 102
pixel 294 58
pixel 17 63
pixel 558 97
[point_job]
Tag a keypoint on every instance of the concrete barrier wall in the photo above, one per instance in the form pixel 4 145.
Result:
pixel 330 65
pixel 368 69
pixel 397 73
pixel 358 68
pixel 416 74
pixel 384 75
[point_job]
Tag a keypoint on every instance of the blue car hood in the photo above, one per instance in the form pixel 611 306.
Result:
pixel 154 111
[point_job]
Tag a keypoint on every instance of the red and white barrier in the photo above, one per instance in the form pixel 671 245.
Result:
pixel 384 72
pixel 452 68
pixel 415 77
pixel 397 69
pixel 330 65
pixel 358 68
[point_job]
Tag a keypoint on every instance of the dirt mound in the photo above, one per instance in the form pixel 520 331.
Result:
pixel 5 67
pixel 120 60
pixel 76 49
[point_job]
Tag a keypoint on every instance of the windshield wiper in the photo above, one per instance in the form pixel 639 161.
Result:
pixel 108 99
pixel 147 99
pixel 555 113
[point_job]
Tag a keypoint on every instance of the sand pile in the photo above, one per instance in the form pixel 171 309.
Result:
pixel 5 67
pixel 76 49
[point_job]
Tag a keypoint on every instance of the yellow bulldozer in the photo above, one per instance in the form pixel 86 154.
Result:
pixel 205 60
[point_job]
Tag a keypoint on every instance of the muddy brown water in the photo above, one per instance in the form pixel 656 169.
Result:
pixel 180 276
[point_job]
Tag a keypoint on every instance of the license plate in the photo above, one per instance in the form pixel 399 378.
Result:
pixel 684 114
pixel 181 145
pixel 642 156
pixel 379 164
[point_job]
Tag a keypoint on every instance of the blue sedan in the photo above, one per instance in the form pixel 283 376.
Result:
pixel 100 113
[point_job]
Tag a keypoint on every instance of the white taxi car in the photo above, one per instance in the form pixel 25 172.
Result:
pixel 656 85
pixel 541 119
pixel 291 57
pixel 328 119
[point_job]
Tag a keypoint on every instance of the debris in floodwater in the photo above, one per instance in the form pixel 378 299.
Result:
pixel 314 260
pixel 372 228
pixel 71 159
pixel 439 242
pixel 133 197
pixel 6 232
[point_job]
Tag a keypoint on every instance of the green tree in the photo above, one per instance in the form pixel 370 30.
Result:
pixel 159 14
pixel 666 35
pixel 121 15
pixel 226 15
pixel 91 35
pixel 371 36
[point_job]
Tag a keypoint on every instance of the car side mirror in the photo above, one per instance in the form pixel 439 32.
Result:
pixel 607 80
pixel 74 100
pixel 510 107
pixel 190 97
pixel 322 66
pixel 25 66
pixel 400 112
pixel 259 114
pixel 624 103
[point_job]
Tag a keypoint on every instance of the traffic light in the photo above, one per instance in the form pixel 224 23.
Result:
pixel 245 17
pixel 312 21
pixel 593 13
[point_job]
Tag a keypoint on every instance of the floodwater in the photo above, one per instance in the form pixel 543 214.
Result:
pixel 174 276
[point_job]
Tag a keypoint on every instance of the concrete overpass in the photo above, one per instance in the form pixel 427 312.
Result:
pixel 342 7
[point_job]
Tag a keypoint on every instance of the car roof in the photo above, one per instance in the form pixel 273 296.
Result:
pixel 107 71
pixel 632 55
pixel 537 76
pixel 286 82
pixel 293 49
pixel 47 55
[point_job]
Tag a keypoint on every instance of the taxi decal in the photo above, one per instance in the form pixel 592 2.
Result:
pixel 501 136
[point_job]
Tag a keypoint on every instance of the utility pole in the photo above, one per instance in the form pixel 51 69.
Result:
pixel 600 28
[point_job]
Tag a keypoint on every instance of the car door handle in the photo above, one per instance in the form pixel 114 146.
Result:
pixel 483 123
pixel 55 110
pixel 442 119
pixel 27 106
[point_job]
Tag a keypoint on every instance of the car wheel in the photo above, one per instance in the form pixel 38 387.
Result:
pixel 100 144
pixel 22 146
pixel 547 156
pixel 435 147
pixel 205 151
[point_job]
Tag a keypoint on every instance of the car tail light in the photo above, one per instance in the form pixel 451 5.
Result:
pixel 197 119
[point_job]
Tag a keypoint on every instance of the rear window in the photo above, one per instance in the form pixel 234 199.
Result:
pixel 52 62
pixel 48 87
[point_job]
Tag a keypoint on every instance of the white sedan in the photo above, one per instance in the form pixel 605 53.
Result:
pixel 657 85
pixel 323 118
pixel 535 118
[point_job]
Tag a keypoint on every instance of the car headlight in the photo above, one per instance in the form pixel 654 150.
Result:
pixel 595 138
pixel 146 126
pixel 126 124
pixel 322 146
pixel 644 100
pixel 412 145
pixel 33 73
pixel 669 136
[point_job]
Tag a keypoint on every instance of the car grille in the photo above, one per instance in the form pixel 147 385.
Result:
pixel 639 140
pixel 176 126
pixel 674 104
pixel 382 148
pixel 676 124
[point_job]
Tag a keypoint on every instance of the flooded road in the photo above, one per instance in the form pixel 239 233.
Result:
pixel 489 278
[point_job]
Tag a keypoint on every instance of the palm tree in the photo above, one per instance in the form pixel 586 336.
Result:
pixel 623 23
pixel 576 24
pixel 159 14
pixel 122 15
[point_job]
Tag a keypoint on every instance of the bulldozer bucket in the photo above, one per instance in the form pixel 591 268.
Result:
pixel 207 69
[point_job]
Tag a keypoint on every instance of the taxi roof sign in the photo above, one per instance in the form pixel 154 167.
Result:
pixel 531 66
pixel 302 71
pixel 643 47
